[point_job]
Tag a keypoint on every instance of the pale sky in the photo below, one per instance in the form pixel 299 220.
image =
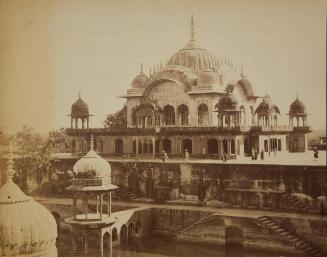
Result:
pixel 51 50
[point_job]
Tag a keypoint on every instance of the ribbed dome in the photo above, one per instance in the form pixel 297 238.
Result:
pixel 194 58
pixel 227 102
pixel 297 107
pixel 92 166
pixel 27 227
pixel 80 108
pixel 140 81
pixel 208 77
pixel 267 106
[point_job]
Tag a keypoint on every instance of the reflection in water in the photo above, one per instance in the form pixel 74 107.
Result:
pixel 154 246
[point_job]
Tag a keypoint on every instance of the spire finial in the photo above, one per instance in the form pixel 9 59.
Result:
pixel 297 96
pixel 192 28
pixel 10 164
pixel 79 94
pixel 92 142
pixel 242 71
pixel 141 67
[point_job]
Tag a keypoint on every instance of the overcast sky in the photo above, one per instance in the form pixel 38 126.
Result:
pixel 51 50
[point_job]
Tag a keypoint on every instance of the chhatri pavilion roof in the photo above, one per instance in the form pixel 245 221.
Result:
pixel 27 227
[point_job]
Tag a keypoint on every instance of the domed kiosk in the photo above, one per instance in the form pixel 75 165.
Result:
pixel 27 229
pixel 80 111
pixel 92 179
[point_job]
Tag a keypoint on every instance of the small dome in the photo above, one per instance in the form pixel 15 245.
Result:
pixel 79 108
pixel 208 77
pixel 140 81
pixel 227 102
pixel 27 227
pixel 267 106
pixel 92 166
pixel 297 107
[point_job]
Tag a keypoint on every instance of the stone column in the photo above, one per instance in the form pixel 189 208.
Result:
pixel 109 204
pixel 153 146
pixel 71 122
pixel 86 207
pixel 297 121
pixel 97 204
pixel 101 243
pixel 83 123
pixel 74 205
pixel 101 205
pixel 87 122
pixel 76 123
pixel 137 146
pixel 85 242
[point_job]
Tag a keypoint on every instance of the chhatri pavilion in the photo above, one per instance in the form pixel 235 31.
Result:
pixel 196 102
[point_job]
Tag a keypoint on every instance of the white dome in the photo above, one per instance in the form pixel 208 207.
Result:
pixel 26 227
pixel 92 166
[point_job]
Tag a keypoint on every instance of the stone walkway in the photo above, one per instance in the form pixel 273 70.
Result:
pixel 221 211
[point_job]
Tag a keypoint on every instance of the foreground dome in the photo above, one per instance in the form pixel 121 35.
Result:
pixel 227 102
pixel 297 107
pixel 79 108
pixel 27 227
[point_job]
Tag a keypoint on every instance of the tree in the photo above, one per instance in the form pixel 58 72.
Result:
pixel 36 154
pixel 117 119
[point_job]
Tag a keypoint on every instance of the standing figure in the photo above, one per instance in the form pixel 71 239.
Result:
pixel 164 156
pixel 187 155
pixel 315 153
pixel 252 153
pixel 262 155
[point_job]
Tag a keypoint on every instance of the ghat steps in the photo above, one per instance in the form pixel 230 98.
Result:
pixel 298 242
pixel 296 202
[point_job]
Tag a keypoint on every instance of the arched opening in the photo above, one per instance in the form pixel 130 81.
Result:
pixel 106 240
pixel 279 145
pixel 233 237
pixel 73 146
pixel 212 146
pixel 242 116
pixel 114 235
pixel 138 227
pixel 225 146
pixel 123 234
pixel 166 145
pixel 99 146
pixel 119 146
pixel 169 115
pixel 232 147
pixel 187 145
pixel 130 231
pixel 203 114
pixel 246 146
pixel 57 218
pixel 134 146
pixel 157 143
pixel 266 145
pixel 182 114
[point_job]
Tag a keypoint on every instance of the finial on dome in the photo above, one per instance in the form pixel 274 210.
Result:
pixel 10 164
pixel 242 71
pixel 79 94
pixel 141 68
pixel 92 142
pixel 192 29
pixel 297 96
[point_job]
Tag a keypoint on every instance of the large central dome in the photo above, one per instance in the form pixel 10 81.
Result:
pixel 194 57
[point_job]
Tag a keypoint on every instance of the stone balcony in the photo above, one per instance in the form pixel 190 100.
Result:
pixel 178 129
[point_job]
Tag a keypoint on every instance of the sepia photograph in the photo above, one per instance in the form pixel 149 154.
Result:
pixel 163 128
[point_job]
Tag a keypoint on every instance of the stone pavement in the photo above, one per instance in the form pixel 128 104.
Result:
pixel 220 211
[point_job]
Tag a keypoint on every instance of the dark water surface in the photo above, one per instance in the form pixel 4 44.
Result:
pixel 154 246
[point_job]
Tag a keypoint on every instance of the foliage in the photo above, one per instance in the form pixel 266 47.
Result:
pixel 36 160
pixel 117 119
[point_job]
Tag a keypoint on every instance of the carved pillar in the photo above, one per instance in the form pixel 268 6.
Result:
pixel 74 205
pixel 109 204
pixel 101 205
pixel 71 122
pixel 76 123
pixel 87 122
pixel 83 123
pixel 101 243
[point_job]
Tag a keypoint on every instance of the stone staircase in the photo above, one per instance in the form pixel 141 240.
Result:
pixel 124 193
pixel 296 203
pixel 183 230
pixel 298 242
